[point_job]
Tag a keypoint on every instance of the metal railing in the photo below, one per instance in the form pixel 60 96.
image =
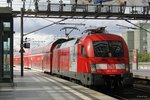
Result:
pixel 90 10
pixel 93 8
pixel 43 6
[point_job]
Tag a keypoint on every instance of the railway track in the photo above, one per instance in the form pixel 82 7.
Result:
pixel 138 91
pixel 134 93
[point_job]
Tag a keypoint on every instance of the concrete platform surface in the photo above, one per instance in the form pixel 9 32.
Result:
pixel 38 86
pixel 142 74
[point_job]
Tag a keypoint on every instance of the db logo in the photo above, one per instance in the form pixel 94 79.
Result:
pixel 111 66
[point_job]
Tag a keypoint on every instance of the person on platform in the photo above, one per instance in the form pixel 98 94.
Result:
pixel 76 1
pixel 146 9
pixel 122 4
pixel 99 6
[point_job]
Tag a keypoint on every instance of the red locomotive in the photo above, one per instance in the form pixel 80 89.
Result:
pixel 93 59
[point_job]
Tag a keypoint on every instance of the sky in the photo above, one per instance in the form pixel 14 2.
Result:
pixel 48 34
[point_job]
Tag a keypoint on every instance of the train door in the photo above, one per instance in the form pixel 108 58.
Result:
pixel 30 62
pixel 59 62
pixel 50 62
pixel 85 76
pixel 44 62
pixel 73 59
pixel 55 62
pixel 83 60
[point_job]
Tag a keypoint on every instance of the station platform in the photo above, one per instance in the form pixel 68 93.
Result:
pixel 142 74
pixel 36 85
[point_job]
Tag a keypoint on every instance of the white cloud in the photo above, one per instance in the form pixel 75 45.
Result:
pixel 34 40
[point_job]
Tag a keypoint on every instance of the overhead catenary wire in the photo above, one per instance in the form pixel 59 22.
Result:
pixel 64 23
pixel 48 20
pixel 137 26
pixel 127 27
pixel 45 26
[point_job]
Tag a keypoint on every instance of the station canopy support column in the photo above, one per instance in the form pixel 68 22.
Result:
pixel 6 45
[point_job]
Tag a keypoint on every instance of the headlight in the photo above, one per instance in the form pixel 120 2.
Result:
pixel 93 67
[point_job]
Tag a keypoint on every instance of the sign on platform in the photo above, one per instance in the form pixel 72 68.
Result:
pixel 26 45
pixel 135 59
pixel 22 50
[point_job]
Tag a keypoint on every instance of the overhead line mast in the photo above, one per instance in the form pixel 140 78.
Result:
pixel 21 46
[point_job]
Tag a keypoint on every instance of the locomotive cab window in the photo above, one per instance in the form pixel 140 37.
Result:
pixel 108 48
